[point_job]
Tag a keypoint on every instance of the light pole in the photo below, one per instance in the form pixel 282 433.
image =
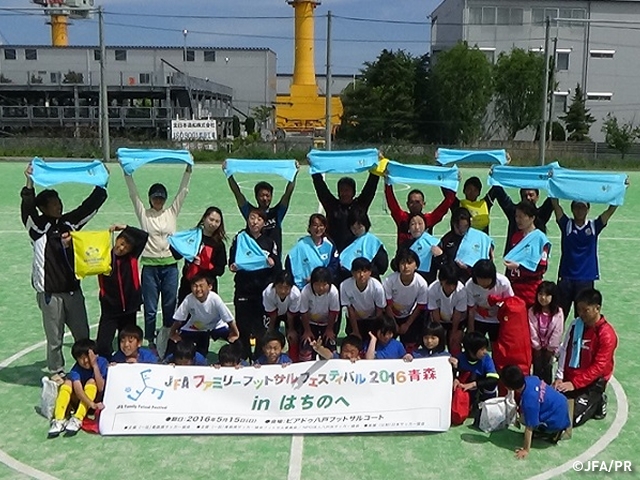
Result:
pixel 185 32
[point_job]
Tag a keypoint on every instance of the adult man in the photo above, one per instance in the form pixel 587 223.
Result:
pixel 59 294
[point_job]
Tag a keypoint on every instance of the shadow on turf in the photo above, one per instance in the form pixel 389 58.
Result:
pixel 28 375
pixel 506 439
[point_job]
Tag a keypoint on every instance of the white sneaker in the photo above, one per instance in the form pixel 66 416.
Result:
pixel 56 428
pixel 73 426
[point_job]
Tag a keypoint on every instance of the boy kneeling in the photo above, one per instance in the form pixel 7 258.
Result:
pixel 83 385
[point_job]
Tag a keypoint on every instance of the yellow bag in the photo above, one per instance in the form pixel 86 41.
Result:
pixel 381 168
pixel 91 253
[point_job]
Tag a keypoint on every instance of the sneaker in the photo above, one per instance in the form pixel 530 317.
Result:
pixel 56 428
pixel 73 426
pixel 601 411
pixel 59 377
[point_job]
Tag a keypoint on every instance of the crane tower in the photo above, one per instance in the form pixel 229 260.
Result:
pixel 59 12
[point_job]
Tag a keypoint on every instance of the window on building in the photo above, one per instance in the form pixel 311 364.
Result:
pixel 488 15
pixel 145 78
pixel 562 61
pixel 503 16
pixel 96 55
pixel 579 13
pixel 9 53
pixel 560 103
pixel 600 96
pixel 210 56
pixel 537 16
pixel 121 55
pixel 475 15
pixel 190 57
pixel 55 77
pixel 490 53
pixel 602 53
pixel 516 16
pixel 30 54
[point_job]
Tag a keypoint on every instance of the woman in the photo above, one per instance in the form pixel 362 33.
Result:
pixel 424 245
pixel 212 256
pixel 314 250
pixel 365 245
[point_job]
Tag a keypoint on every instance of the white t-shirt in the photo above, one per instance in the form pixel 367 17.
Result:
pixel 364 302
pixel 319 306
pixel 404 298
pixel 477 297
pixel 271 301
pixel 446 305
pixel 203 316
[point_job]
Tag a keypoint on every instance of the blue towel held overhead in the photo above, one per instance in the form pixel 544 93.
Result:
pixel 133 158
pixel 428 175
pixel 283 168
pixel 48 174
pixel 594 187
pixel 342 161
pixel 447 156
pixel 522 177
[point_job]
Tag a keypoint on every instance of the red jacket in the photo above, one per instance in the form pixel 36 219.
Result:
pixel 513 346
pixel 596 358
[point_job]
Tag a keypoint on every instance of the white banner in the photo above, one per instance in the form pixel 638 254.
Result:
pixel 334 396
pixel 193 130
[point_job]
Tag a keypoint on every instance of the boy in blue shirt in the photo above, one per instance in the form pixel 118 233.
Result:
pixel 185 354
pixel 349 350
pixel 476 372
pixel 130 347
pixel 543 409
pixel 83 385
pixel 383 344
pixel 272 345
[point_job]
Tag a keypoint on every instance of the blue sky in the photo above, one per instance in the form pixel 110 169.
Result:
pixel 354 41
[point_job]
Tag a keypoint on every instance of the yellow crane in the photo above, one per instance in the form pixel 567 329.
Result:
pixel 59 12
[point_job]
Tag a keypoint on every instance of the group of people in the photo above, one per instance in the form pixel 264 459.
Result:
pixel 431 303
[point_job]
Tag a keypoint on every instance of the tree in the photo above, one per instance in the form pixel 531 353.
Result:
pixel 619 137
pixel 249 125
pixel 235 126
pixel 578 120
pixel 381 106
pixel 461 88
pixel 518 90
pixel 262 114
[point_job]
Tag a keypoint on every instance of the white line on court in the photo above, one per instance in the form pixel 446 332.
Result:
pixel 295 457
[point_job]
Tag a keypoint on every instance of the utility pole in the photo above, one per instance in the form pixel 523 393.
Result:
pixel 327 90
pixel 104 102
pixel 545 95
pixel 552 98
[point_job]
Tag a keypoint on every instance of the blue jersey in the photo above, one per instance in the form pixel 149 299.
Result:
pixel 424 353
pixel 579 259
pixel 283 358
pixel 543 407
pixel 86 374
pixel 144 356
pixel 392 350
pixel 480 368
pixel 199 360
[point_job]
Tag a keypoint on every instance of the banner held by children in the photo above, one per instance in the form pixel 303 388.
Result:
pixel 334 396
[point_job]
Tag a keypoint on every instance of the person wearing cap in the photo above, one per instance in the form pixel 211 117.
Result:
pixel 159 267
pixel 579 250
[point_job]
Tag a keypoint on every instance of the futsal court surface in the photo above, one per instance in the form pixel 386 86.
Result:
pixel 25 451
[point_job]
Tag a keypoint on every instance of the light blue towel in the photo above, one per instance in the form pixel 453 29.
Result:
pixel 48 174
pixel 428 175
pixel 283 168
pixel 366 246
pixel 187 242
pixel 522 177
pixel 476 245
pixel 576 344
pixel 447 156
pixel 133 158
pixel 422 248
pixel 595 187
pixel 304 257
pixel 528 252
pixel 342 161
pixel 249 255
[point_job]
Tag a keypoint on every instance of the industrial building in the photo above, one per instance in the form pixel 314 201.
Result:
pixel 597 47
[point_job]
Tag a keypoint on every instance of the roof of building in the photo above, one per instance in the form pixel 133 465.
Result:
pixel 138 47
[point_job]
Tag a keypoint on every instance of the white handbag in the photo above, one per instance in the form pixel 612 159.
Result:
pixel 48 397
pixel 498 413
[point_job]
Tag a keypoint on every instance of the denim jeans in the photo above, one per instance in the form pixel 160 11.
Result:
pixel 156 281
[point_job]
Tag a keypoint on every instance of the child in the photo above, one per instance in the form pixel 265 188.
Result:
pixel 363 297
pixel 407 298
pixel 485 281
pixel 319 308
pixel 448 305
pixel 382 344
pixel 349 350
pixel 476 371
pixel 229 356
pixel 546 320
pixel 83 385
pixel 433 342
pixel 542 408
pixel 184 353
pixel 479 209
pixel 272 345
pixel 202 316
pixel 120 292
pixel 130 347
pixel 281 302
